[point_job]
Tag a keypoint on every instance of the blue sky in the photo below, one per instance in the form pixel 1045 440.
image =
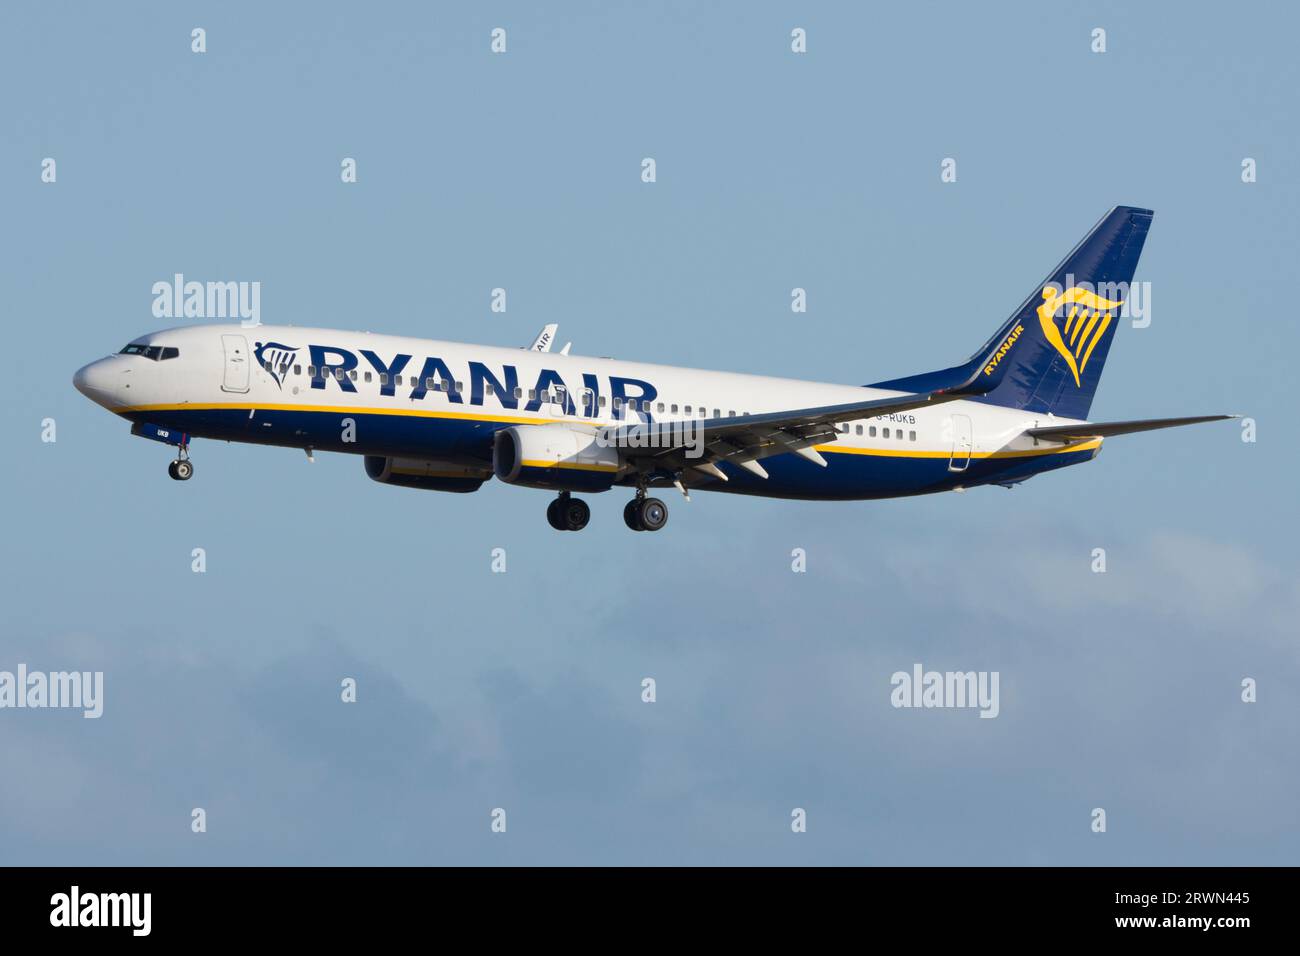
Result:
pixel 522 690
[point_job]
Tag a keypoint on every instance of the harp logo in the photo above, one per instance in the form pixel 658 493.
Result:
pixel 1086 316
pixel 277 359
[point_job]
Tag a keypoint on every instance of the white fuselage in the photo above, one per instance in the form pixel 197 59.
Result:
pixel 218 384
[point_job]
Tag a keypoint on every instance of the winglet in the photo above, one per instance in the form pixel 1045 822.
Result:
pixel 545 338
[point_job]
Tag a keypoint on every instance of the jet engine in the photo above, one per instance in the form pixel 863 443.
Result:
pixel 554 456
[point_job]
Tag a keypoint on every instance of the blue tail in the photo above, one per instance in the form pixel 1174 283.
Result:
pixel 1049 355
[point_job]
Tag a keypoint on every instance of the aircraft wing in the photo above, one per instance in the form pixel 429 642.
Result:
pixel 1107 429
pixel 741 440
pixel 744 439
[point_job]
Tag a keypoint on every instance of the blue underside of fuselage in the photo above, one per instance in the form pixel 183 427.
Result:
pixel 847 475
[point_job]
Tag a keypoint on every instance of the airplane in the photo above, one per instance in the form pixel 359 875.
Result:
pixel 447 417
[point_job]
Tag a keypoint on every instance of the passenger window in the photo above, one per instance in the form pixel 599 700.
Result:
pixel 661 406
pixel 368 376
pixel 674 409
pixel 872 431
pixel 732 413
pixel 602 401
pixel 532 394
pixel 519 393
pixel 383 378
pixel 353 375
pixel 460 387
pixel 297 370
pixel 397 379
pixel 859 429
pixel 717 413
pixel 886 432
pixel 911 436
pixel 487 388
pixel 688 409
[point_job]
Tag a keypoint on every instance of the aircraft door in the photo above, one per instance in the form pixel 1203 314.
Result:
pixel 237 363
pixel 962 442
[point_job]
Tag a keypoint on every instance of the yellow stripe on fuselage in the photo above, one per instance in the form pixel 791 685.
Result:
pixel 1014 453
pixel 341 410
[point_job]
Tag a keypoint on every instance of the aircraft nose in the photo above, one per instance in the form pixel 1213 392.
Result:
pixel 95 381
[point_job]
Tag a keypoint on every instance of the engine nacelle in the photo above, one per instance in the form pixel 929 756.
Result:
pixel 554 456
pixel 431 475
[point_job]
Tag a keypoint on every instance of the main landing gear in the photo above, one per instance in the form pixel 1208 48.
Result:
pixel 182 468
pixel 645 514
pixel 566 513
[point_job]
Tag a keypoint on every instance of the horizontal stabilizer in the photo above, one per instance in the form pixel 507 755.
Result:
pixel 1107 429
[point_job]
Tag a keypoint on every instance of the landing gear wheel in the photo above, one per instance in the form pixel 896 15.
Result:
pixel 629 515
pixel 568 514
pixel 651 514
pixel 181 469
pixel 575 514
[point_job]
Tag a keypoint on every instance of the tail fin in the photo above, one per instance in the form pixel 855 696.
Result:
pixel 1049 355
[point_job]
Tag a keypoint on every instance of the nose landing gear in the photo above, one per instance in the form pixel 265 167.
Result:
pixel 567 513
pixel 182 469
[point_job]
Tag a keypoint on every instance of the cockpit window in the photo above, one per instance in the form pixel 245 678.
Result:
pixel 156 353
